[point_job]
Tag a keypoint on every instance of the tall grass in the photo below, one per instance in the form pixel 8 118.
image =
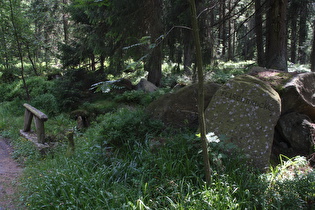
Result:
pixel 137 176
pixel 11 118
pixel 125 160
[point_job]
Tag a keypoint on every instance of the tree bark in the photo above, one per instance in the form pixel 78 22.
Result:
pixel 102 64
pixel 65 22
pixel 259 33
pixel 31 60
pixel 188 49
pixel 19 46
pixel 5 55
pixel 230 48
pixel 154 64
pixel 223 29
pixel 312 59
pixel 276 49
pixel 302 34
pixel 201 110
pixel 294 11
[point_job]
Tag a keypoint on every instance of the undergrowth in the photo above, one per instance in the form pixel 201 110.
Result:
pixel 137 173
pixel 125 160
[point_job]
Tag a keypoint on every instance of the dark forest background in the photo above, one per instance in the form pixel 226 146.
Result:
pixel 106 36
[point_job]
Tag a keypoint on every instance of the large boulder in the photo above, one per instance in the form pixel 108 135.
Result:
pixel 179 109
pixel 245 111
pixel 298 132
pixel 146 86
pixel 295 129
pixel 298 95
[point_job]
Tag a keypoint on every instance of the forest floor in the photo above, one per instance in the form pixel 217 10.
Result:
pixel 10 171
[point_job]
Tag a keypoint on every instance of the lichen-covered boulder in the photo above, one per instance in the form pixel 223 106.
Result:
pixel 179 109
pixel 245 111
pixel 298 95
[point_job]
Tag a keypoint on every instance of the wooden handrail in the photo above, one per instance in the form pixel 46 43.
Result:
pixel 36 112
pixel 39 117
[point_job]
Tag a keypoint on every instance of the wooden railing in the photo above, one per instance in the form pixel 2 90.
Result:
pixel 39 117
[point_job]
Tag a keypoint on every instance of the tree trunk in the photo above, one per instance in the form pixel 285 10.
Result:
pixel 294 11
pixel 46 35
pixel 223 30
pixel 18 42
pixel 31 60
pixel 201 110
pixel 259 33
pixel 312 59
pixel 93 63
pixel 65 22
pixel 188 48
pixel 5 54
pixel 230 49
pixel 276 49
pixel 303 34
pixel 154 65
pixel 102 64
pixel 250 40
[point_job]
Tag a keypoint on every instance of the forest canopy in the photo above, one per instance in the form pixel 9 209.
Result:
pixel 110 36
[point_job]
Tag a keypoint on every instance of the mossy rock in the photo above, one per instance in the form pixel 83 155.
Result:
pixel 180 109
pixel 275 78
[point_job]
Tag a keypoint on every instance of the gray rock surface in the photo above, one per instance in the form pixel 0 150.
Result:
pixel 179 109
pixel 298 95
pixel 146 86
pixel 245 110
pixel 298 132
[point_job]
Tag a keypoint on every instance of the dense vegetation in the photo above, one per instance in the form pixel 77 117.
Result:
pixel 53 52
pixel 118 162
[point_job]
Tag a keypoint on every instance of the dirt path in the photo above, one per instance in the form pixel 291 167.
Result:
pixel 9 172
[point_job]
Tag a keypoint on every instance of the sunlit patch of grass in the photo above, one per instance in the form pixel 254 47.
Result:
pixel 291 185
pixel 298 67
pixel 230 65
pixel 224 71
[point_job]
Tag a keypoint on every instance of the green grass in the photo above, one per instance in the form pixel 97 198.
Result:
pixel 135 176
pixel 115 164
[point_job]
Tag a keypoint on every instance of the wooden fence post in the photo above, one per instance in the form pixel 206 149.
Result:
pixel 40 130
pixel 28 116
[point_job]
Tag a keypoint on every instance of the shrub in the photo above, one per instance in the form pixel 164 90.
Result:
pixel 39 85
pixel 11 91
pixel 57 127
pixel 36 86
pixel 46 103
pixel 139 97
pixel 126 126
pixel 99 107
pixel 10 109
pixel 8 75
pixel 72 88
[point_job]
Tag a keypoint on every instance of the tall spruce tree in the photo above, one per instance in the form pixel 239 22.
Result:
pixel 276 45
